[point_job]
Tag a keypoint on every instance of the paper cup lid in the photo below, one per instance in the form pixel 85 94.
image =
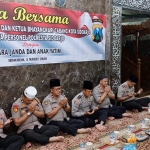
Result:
pixel 89 143
pixel 116 132
pixel 132 125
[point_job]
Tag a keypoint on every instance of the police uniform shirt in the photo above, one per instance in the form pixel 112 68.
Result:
pixel 19 108
pixel 124 90
pixel 2 121
pixel 97 93
pixel 81 104
pixel 49 103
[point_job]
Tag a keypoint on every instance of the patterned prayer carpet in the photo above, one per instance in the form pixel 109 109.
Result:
pixel 99 139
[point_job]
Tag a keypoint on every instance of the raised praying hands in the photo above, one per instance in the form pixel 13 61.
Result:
pixel 96 108
pixel 107 89
pixel 140 91
pixel 8 121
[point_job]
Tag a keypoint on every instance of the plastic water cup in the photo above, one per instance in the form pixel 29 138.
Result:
pixel 89 146
pixel 132 126
pixel 146 122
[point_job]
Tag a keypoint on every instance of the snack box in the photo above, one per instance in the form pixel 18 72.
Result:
pixel 128 138
pixel 147 132
pixel 141 136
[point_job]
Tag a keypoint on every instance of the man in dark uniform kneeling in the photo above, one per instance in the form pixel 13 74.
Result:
pixel 83 108
pixel 102 94
pixel 56 108
pixel 126 94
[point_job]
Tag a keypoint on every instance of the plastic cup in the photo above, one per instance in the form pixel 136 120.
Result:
pixel 132 126
pixel 89 146
pixel 146 122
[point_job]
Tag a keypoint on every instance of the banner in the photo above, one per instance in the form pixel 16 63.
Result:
pixel 41 35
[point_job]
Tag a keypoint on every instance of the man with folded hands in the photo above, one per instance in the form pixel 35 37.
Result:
pixel 25 113
pixel 83 108
pixel 126 94
pixel 56 108
pixel 13 142
pixel 102 94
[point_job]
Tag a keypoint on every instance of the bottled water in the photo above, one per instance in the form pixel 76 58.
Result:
pixel 149 109
pixel 129 147
pixel 82 146
pixel 143 123
pixel 112 138
pixel 128 130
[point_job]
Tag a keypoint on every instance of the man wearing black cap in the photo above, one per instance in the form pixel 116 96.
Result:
pixel 56 108
pixel 126 94
pixel 102 94
pixel 83 108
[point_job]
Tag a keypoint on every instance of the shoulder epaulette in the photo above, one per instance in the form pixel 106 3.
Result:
pixel 79 97
pixel 38 101
pixel 123 86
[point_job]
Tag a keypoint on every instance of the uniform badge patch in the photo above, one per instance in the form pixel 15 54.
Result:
pixel 75 101
pixel 15 108
pixel 46 103
pixel 90 99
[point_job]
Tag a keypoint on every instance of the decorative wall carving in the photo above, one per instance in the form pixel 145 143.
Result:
pixel 140 5
pixel 116 47
pixel 134 4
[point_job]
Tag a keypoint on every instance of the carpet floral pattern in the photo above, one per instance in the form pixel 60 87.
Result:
pixel 96 137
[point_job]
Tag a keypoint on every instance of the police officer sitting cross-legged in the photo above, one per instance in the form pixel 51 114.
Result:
pixel 13 142
pixel 56 108
pixel 83 108
pixel 25 113
pixel 126 94
pixel 102 94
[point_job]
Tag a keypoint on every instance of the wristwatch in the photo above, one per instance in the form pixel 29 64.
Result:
pixel 28 113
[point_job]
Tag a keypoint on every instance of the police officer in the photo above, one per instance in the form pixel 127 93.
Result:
pixel 83 108
pixel 13 142
pixel 25 113
pixel 56 108
pixel 126 94
pixel 102 94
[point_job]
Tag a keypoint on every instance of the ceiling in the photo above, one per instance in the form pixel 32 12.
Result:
pixel 134 17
